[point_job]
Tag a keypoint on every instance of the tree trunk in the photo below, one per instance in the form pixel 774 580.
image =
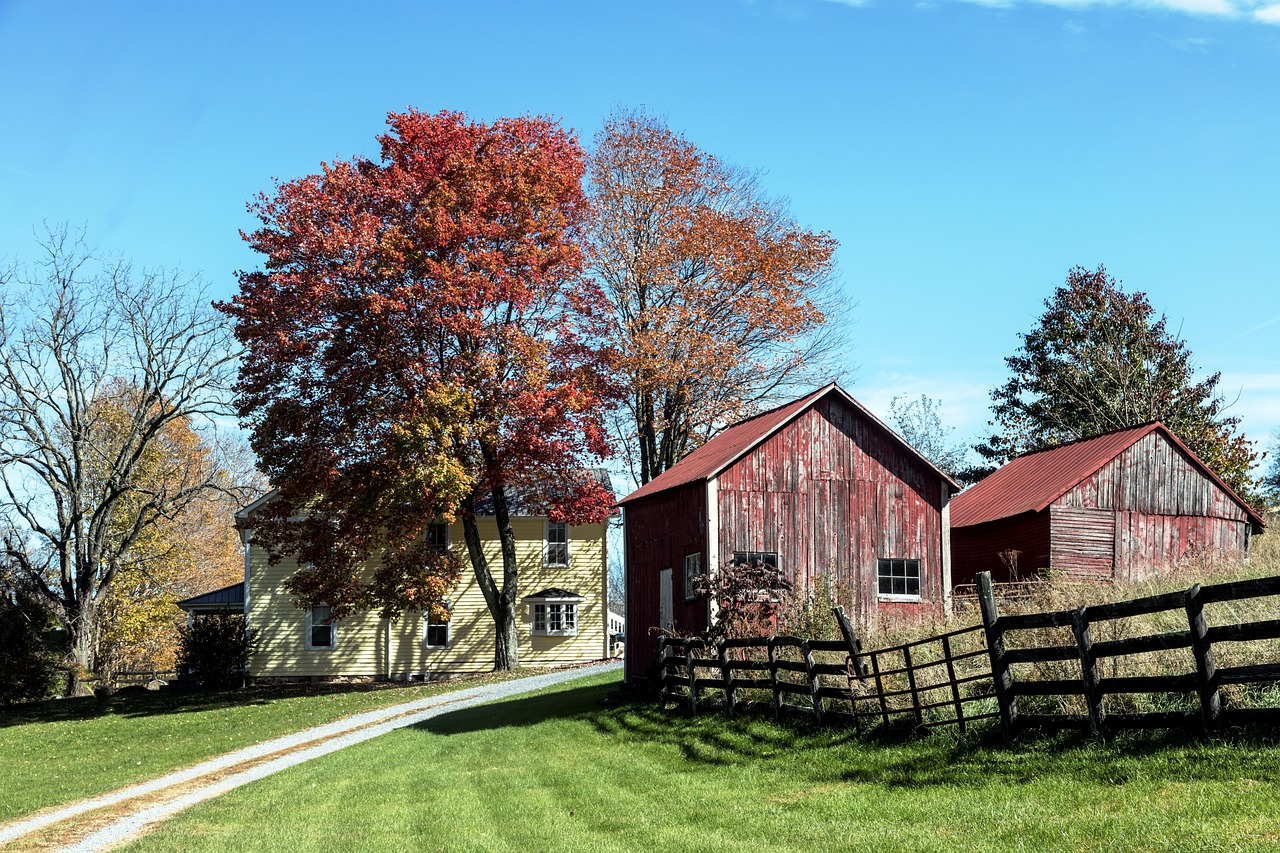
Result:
pixel 502 601
pixel 83 636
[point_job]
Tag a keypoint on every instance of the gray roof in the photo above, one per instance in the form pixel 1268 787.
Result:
pixel 227 598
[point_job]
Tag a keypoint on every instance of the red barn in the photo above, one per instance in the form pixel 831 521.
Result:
pixel 817 485
pixel 1121 505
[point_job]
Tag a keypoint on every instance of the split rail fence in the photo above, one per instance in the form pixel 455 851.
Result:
pixel 1037 670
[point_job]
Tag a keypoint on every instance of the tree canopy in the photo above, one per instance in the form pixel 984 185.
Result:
pixel 1100 359
pixel 717 296
pixel 72 502
pixel 420 337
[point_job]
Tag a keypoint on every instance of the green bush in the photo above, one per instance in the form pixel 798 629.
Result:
pixel 29 665
pixel 214 650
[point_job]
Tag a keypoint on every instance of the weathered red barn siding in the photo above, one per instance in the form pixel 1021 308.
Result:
pixel 1121 505
pixel 660 531
pixel 977 548
pixel 833 490
pixel 1149 507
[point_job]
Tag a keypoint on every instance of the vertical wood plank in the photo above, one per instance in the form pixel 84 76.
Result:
pixel 851 639
pixel 691 673
pixel 951 677
pixel 1001 677
pixel 911 680
pixel 814 683
pixel 726 674
pixel 773 677
pixel 1206 669
pixel 1088 669
pixel 884 706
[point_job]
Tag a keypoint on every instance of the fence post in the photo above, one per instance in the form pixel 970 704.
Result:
pixel 1001 677
pixel 1206 669
pixel 814 685
pixel 726 674
pixel 662 672
pixel 692 675
pixel 851 638
pixel 884 705
pixel 1088 669
pixel 951 676
pixel 911 681
pixel 773 678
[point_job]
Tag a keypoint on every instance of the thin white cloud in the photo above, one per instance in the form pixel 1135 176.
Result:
pixel 1263 11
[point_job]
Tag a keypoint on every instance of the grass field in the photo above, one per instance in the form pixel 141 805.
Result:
pixel 60 751
pixel 559 771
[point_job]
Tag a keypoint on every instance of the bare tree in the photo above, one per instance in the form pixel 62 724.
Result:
pixel 73 497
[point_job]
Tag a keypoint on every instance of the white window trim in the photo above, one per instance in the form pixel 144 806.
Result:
pixel 333 627
pixel 546 545
pixel 689 594
pixel 890 596
pixel 534 603
pixel 426 623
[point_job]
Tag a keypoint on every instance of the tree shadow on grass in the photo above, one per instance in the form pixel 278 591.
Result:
pixel 890 758
pixel 147 703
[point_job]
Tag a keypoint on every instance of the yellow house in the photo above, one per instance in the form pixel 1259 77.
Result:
pixel 561 618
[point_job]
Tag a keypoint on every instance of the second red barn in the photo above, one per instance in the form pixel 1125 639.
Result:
pixel 1117 506
pixel 818 485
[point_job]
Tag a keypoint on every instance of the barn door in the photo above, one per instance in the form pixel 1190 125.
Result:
pixel 1084 542
pixel 666 612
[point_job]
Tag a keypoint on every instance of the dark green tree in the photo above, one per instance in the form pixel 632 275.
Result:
pixel 1271 479
pixel 1100 359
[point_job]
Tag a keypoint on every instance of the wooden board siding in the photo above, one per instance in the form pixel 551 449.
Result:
pixel 1161 508
pixel 977 548
pixel 1154 476
pixel 831 492
pixel 1084 542
pixel 368 645
pixel 660 531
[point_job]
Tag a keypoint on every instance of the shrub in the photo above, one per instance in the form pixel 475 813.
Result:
pixel 29 665
pixel 214 650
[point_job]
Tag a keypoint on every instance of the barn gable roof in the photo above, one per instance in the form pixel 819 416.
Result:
pixel 1032 481
pixel 735 442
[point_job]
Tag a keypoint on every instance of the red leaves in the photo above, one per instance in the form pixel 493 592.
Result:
pixel 414 317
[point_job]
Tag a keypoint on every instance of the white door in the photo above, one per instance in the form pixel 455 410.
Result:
pixel 666 615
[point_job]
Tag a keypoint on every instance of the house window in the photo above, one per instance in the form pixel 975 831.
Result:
pixel 553 613
pixel 692 571
pixel 438 536
pixel 768 558
pixel 556 551
pixel 322 631
pixel 898 578
pixel 435 635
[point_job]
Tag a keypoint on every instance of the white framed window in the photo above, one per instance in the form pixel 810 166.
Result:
pixel 438 536
pixel 553 613
pixel 435 635
pixel 556 544
pixel 767 558
pixel 898 579
pixel 692 571
pixel 322 630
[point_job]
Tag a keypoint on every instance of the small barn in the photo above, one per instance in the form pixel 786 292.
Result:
pixel 1117 506
pixel 819 485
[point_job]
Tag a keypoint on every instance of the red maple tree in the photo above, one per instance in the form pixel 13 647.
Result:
pixel 420 338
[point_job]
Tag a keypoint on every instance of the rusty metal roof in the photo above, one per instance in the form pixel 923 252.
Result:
pixel 1031 482
pixel 736 441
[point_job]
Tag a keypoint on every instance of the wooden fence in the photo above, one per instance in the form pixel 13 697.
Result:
pixel 1197 677
pixel 979 673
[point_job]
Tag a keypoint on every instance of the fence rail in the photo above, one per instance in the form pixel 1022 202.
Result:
pixel 977 673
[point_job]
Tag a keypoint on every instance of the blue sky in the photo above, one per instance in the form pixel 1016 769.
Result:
pixel 965 154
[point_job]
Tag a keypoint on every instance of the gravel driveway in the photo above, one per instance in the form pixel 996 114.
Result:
pixel 182 788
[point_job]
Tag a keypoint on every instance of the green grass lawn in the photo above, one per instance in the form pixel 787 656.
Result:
pixel 61 751
pixel 560 771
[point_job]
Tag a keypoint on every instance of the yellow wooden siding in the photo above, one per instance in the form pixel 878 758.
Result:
pixel 363 639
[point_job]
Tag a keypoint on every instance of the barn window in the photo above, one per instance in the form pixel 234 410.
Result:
pixel 768 558
pixel 898 578
pixel 692 571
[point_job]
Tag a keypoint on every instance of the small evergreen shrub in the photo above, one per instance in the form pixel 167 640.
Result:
pixel 214 650
pixel 29 665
